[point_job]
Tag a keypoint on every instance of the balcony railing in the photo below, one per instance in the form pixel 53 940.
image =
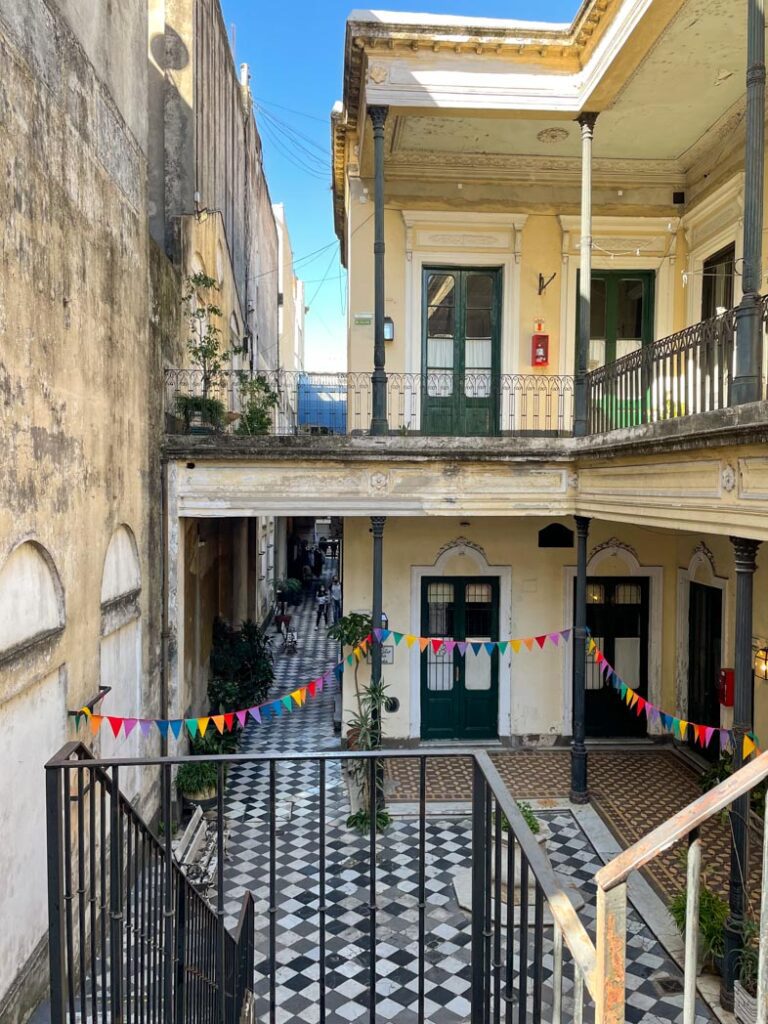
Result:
pixel 685 373
pixel 439 403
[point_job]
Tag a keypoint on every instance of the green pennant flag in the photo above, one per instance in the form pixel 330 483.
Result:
pixel 287 703
pixel 350 659
pixel 624 691
pixel 191 724
pixel 398 637
pixel 502 645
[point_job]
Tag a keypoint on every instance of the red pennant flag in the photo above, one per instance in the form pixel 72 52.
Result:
pixel 229 720
pixel 312 687
pixel 640 706
pixel 116 724
pixel 540 640
pixel 437 643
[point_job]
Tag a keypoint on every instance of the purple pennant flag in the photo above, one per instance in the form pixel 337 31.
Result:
pixel 555 638
pixel 255 714
pixel 565 634
pixel 320 684
pixel 725 739
pixel 145 725
pixel 129 724
pixel 377 633
pixel 241 717
pixel 462 645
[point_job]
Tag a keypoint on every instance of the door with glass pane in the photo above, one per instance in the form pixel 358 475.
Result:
pixel 617 615
pixel 460 351
pixel 621 314
pixel 460 693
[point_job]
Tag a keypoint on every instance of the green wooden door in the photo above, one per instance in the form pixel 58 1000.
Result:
pixel 461 351
pixel 460 693
pixel 621 322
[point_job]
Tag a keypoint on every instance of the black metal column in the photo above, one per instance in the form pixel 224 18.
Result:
pixel 747 378
pixel 377 602
pixel 580 411
pixel 379 423
pixel 579 790
pixel 745 552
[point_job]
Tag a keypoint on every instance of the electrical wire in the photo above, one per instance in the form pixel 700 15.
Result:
pixel 285 150
pixel 288 110
pixel 304 140
pixel 322 282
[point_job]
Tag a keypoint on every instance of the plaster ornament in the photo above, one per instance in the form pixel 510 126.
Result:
pixel 728 478
pixel 378 74
pixel 549 136
pixel 379 481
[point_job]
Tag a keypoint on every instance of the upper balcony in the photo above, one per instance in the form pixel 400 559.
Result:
pixel 674 378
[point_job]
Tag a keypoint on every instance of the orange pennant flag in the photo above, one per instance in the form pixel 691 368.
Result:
pixel 528 641
pixel 95 722
pixel 515 644
pixel 749 747
pixel 218 721
pixel 202 725
pixel 423 643
pixel 635 698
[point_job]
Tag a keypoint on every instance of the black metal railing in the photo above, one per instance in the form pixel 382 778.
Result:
pixel 688 372
pixel 437 403
pixel 132 940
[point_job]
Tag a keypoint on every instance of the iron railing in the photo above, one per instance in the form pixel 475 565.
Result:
pixel 126 944
pixel 438 403
pixel 685 373
pixel 130 938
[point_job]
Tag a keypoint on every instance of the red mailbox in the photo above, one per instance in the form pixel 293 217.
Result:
pixel 540 350
pixel 725 687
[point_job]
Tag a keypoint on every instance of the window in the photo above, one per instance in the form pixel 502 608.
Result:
pixel 621 314
pixel 717 284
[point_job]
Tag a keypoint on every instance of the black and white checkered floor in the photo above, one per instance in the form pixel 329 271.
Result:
pixel 296 978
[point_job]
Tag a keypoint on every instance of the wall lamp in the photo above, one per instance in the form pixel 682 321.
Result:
pixel 761 663
pixel 389 329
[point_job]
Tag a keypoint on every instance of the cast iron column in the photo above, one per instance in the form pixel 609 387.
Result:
pixel 379 424
pixel 746 385
pixel 745 552
pixel 579 791
pixel 377 604
pixel 580 425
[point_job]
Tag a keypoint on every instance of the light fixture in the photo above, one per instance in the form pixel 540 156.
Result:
pixel 761 663
pixel 389 329
pixel 384 621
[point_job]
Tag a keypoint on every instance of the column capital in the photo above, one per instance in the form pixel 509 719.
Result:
pixel 582 525
pixel 745 553
pixel 378 116
pixel 377 522
pixel 587 122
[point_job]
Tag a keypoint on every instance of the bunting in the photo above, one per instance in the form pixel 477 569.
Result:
pixel 679 727
pixel 446 645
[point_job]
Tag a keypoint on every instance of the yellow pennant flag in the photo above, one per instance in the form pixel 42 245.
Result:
pixel 410 640
pixel 591 645
pixel 515 644
pixel 749 747
pixel 358 653
pixel 202 725
pixel 298 696
pixel 683 727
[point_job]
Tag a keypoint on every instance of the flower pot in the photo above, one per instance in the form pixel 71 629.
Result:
pixel 205 799
pixel 744 1005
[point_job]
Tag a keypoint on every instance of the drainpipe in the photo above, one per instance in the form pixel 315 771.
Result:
pixel 747 381
pixel 164 709
pixel 379 423
pixel 745 553
pixel 579 789
pixel 580 425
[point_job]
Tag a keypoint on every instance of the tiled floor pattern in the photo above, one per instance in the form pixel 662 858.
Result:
pixel 298 836
pixel 634 791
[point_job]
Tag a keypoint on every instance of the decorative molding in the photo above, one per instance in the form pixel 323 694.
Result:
pixel 379 482
pixel 455 545
pixel 701 551
pixel 728 477
pixel 615 544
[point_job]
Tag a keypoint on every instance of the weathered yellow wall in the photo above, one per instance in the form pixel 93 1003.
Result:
pixel 541 253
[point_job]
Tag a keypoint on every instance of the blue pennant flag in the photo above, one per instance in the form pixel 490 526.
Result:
pixel 476 647
pixel 176 727
pixel 162 725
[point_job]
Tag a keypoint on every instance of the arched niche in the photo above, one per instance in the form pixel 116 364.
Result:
pixel 701 569
pixel 31 597
pixel 121 576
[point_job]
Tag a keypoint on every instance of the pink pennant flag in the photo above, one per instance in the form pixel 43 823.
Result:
pixel 130 725
pixel 241 717
pixel 255 714
pixel 555 638
pixel 449 645
pixel 708 732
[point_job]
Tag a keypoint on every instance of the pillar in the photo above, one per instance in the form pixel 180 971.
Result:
pixel 579 790
pixel 745 552
pixel 580 412
pixel 746 385
pixel 379 422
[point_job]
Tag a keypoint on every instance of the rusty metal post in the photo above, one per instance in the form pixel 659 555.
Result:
pixel 611 934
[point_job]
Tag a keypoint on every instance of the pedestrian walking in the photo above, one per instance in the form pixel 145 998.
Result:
pixel 321 604
pixel 336 598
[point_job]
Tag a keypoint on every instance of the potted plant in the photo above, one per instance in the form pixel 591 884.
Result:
pixel 196 782
pixel 713 913
pixel 745 988
pixel 204 412
pixel 539 830
pixel 258 398
pixel 350 631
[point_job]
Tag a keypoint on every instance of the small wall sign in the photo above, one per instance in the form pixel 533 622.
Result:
pixel 362 319
pixel 387 654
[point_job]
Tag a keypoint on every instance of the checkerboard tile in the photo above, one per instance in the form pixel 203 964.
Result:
pixel 345 942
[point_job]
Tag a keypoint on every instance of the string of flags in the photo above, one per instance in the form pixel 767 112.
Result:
pixel 702 734
pixel 448 645
pixel 230 720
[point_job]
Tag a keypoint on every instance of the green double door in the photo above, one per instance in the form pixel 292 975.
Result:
pixel 461 351
pixel 460 693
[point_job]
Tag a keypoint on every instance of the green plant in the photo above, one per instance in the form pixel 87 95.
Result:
pixel 749 959
pixel 361 820
pixel 196 777
pixel 720 770
pixel 258 399
pixel 350 631
pixel 528 815
pixel 204 339
pixel 243 658
pixel 713 913
pixel 211 410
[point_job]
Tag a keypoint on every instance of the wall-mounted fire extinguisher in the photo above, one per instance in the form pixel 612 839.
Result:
pixel 540 350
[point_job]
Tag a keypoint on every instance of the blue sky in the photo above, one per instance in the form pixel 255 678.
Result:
pixel 295 52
